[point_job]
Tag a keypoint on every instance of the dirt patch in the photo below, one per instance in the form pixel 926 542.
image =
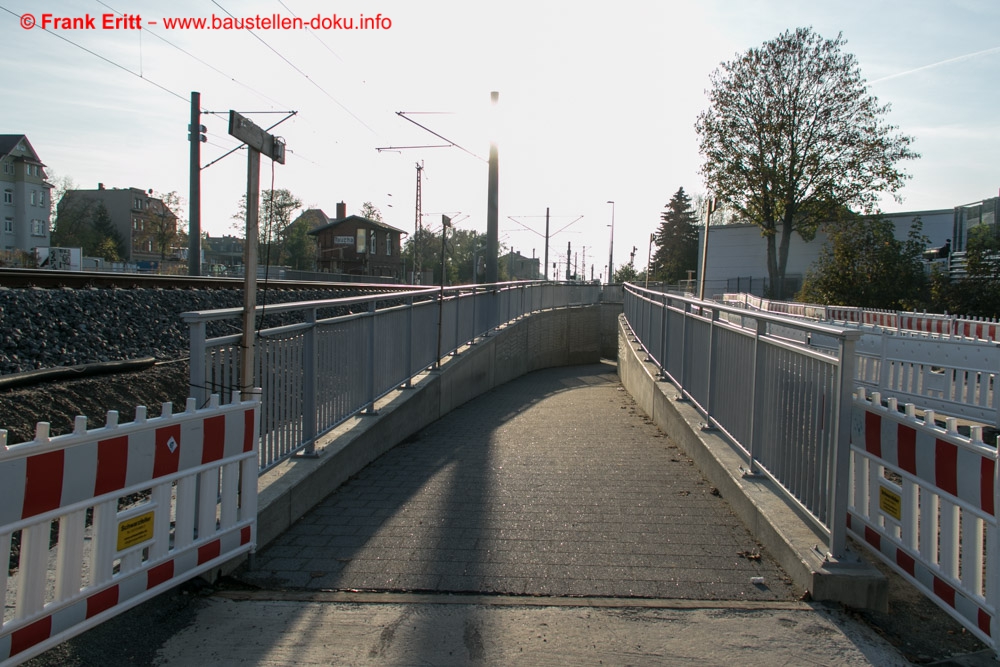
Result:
pixel 59 403
pixel 917 627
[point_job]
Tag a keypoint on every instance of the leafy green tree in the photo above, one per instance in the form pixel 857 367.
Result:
pixel 626 273
pixel 163 223
pixel 865 265
pixel 371 212
pixel 676 240
pixel 274 217
pixel 978 293
pixel 300 248
pixel 792 135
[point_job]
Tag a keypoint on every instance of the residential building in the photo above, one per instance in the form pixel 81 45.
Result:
pixel 26 205
pixel 355 245
pixel 147 227
pixel 520 267
pixel 222 254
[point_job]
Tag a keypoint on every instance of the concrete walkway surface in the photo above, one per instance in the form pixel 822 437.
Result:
pixel 545 522
pixel 421 630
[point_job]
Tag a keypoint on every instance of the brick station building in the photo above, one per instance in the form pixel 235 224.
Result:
pixel 355 245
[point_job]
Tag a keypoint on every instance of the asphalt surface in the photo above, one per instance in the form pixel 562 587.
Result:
pixel 548 521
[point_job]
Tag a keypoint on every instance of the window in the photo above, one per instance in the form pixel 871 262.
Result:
pixel 8 196
pixel 8 225
pixel 361 241
pixel 7 167
pixel 34 197
pixel 388 243
pixel 38 228
pixel 374 241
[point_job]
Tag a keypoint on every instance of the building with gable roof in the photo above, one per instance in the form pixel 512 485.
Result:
pixel 355 245
pixel 25 209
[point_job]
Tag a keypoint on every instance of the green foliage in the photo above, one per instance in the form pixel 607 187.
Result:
pixel 978 294
pixel 299 247
pixel 792 136
pixel 107 249
pixel 274 217
pixel 864 265
pixel 371 212
pixel 625 274
pixel 85 223
pixel 465 249
pixel 676 240
pixel 163 223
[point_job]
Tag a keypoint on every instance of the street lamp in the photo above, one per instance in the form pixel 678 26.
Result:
pixel 611 248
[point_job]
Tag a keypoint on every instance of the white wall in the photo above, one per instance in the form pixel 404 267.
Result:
pixel 739 251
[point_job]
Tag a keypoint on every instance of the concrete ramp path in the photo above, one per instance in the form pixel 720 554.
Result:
pixel 545 522
pixel 548 521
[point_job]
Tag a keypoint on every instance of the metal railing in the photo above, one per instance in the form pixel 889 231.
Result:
pixel 760 379
pixel 322 362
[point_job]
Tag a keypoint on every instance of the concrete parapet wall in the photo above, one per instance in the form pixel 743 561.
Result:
pixel 562 337
pixel 788 537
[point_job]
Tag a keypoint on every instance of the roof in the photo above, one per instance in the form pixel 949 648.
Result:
pixel 355 219
pixel 8 142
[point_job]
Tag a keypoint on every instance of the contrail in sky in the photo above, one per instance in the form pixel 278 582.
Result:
pixel 967 56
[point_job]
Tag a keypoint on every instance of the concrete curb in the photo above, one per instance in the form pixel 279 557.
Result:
pixel 775 522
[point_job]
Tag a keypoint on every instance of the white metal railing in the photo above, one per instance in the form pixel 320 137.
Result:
pixel 941 362
pixel 97 521
pixel 335 358
pixel 783 402
pixel 924 500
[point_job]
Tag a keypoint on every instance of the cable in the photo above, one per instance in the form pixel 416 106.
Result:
pixel 308 78
pixel 191 55
pixel 107 60
pixel 402 114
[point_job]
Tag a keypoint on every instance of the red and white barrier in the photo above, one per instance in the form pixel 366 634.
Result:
pixel 170 498
pixel 929 527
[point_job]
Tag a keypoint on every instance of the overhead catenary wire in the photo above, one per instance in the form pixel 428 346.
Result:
pixel 146 29
pixel 300 71
pixel 105 59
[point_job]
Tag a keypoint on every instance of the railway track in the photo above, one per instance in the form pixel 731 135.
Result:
pixel 48 279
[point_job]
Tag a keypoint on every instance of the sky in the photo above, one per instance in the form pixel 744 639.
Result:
pixel 597 103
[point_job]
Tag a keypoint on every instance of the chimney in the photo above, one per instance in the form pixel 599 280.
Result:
pixel 100 186
pixel 341 210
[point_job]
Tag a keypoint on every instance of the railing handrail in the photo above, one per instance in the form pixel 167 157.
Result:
pixel 784 320
pixel 279 308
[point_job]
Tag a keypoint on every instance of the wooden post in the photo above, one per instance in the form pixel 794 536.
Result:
pixel 250 274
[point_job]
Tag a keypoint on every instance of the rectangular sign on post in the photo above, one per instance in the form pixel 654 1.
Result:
pixel 247 131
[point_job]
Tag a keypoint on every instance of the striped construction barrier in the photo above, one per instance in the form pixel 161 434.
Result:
pixel 928 527
pixel 980 329
pixel 170 498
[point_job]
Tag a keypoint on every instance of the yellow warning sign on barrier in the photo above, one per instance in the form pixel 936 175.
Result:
pixel 135 530
pixel 890 503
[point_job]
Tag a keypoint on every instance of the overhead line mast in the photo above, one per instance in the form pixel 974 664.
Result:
pixel 418 226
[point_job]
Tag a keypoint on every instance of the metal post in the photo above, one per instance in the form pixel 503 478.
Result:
pixel 546 243
pixel 704 249
pixel 445 221
pixel 839 491
pixel 194 207
pixel 408 353
pixel 196 364
pixel 310 351
pixel 370 374
pixel 611 247
pixel 492 207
